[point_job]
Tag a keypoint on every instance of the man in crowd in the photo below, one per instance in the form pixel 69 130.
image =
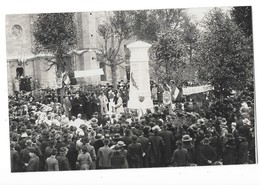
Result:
pixel 104 155
pixel 135 153
pixel 63 160
pixel 34 162
pixel 211 133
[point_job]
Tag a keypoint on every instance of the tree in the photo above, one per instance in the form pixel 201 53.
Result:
pixel 174 38
pixel 226 54
pixel 56 34
pixel 114 31
pixel 149 24
pixel 169 61
pixel 242 16
pixel 145 26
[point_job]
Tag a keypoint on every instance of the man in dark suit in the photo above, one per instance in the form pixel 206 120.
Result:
pixel 146 145
pixel 14 158
pixel 24 155
pixel 207 154
pixel 76 105
pixel 135 153
pixel 34 161
pixel 63 160
pixel 157 145
pixel 168 139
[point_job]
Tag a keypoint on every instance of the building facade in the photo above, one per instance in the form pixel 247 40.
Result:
pixel 22 63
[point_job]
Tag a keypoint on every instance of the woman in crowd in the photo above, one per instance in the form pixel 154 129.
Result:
pixel 219 131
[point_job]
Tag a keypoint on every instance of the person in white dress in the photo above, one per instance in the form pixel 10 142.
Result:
pixel 118 104
pixel 103 103
pixel 111 105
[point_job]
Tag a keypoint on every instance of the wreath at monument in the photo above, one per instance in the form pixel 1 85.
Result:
pixel 141 98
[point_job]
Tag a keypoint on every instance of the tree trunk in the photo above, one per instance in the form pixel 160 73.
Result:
pixel 59 72
pixel 114 77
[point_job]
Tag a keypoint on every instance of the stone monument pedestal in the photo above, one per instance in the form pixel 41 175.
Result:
pixel 140 93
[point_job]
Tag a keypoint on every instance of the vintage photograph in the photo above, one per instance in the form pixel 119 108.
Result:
pixel 157 88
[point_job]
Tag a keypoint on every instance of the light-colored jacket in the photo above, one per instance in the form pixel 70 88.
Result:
pixel 104 155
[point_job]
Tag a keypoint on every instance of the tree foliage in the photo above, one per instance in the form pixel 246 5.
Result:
pixel 149 24
pixel 56 34
pixel 242 16
pixel 174 42
pixel 169 61
pixel 226 54
pixel 145 26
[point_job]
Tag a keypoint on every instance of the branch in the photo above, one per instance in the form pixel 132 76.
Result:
pixel 50 66
pixel 103 62
pixel 52 63
pixel 120 62
pixel 118 47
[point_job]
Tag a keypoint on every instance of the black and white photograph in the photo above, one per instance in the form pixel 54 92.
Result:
pixel 118 90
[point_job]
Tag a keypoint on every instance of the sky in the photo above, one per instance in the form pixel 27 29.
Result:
pixel 199 13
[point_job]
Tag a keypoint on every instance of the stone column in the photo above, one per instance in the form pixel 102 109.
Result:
pixel 139 77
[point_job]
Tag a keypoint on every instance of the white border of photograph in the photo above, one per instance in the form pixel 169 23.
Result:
pixel 239 174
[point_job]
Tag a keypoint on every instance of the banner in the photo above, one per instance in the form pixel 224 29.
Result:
pixel 93 72
pixel 59 83
pixel 197 89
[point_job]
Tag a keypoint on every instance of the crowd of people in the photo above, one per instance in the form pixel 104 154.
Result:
pixel 93 129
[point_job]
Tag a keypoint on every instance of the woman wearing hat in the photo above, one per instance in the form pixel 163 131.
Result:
pixel 118 160
pixel 117 137
pixel 207 154
pixel 229 150
pixel 187 144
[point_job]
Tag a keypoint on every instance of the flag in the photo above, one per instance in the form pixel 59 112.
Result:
pixel 65 78
pixel 174 91
pixel 166 97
